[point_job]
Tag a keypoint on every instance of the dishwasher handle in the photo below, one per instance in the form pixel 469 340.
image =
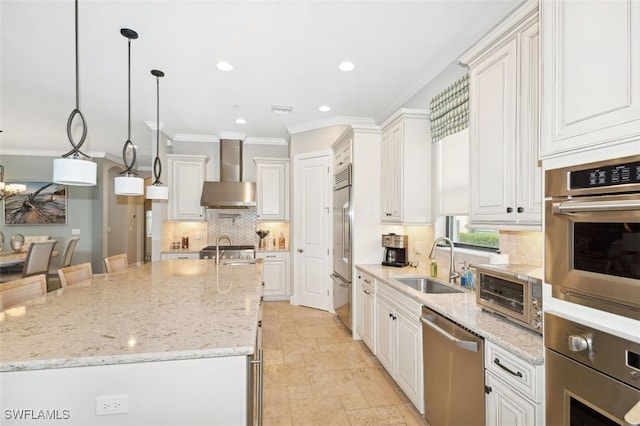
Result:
pixel 429 321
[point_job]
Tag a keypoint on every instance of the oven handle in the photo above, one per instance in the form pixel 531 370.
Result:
pixel 633 416
pixel 569 207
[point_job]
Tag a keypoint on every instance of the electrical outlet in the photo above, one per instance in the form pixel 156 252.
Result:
pixel 112 404
pixel 417 249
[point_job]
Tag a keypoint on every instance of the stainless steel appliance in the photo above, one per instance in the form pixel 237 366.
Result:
pixel 395 250
pixel 256 378
pixel 593 378
pixel 453 372
pixel 230 192
pixel 592 235
pixel 342 267
pixel 229 252
pixel 513 292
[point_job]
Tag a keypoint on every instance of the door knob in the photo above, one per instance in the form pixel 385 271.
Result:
pixel 300 250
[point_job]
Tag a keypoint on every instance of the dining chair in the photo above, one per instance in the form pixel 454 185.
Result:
pixel 74 274
pixel 18 291
pixel 65 259
pixel 36 262
pixel 116 262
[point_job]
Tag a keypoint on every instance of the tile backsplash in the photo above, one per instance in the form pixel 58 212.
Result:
pixel 240 224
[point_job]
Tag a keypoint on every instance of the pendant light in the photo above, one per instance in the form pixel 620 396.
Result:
pixel 156 191
pixel 72 168
pixel 129 184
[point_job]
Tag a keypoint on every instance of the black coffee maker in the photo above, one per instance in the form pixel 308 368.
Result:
pixel 395 249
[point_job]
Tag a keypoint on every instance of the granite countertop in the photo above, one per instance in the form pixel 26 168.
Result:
pixel 462 308
pixel 169 310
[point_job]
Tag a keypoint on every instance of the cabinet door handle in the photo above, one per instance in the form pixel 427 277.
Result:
pixel 367 292
pixel 509 209
pixel 367 281
pixel 520 209
pixel 300 250
pixel 496 361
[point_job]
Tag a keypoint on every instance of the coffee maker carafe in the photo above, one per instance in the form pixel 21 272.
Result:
pixel 395 250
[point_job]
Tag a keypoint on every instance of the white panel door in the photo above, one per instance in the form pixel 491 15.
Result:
pixel 312 192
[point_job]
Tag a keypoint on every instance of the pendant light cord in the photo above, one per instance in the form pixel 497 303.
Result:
pixel 75 152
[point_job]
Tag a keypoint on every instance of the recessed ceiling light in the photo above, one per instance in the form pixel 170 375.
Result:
pixel 324 108
pixel 224 66
pixel 241 121
pixel 346 66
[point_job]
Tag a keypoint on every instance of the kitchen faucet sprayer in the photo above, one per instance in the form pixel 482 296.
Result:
pixel 218 238
pixel 453 274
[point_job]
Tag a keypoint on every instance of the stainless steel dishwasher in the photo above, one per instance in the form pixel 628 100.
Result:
pixel 453 372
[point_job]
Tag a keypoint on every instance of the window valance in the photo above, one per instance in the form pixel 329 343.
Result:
pixel 450 110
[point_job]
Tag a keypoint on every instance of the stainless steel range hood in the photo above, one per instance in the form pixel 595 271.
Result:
pixel 230 192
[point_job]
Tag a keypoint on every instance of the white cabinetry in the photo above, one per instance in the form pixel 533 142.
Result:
pixel 272 189
pixel 365 293
pixel 179 255
pixel 506 180
pixel 406 168
pixel 342 151
pixel 399 341
pixel 514 389
pixel 591 74
pixel 275 274
pixel 186 175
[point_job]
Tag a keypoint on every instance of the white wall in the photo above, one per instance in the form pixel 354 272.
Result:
pixel 210 391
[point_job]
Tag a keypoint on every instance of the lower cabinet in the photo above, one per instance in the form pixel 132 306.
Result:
pixel 513 389
pixel 399 341
pixel 275 275
pixel 368 311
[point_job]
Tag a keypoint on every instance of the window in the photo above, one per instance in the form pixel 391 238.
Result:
pixel 482 239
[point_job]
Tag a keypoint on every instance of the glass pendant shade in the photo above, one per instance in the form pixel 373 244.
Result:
pixel 74 171
pixel 157 192
pixel 129 185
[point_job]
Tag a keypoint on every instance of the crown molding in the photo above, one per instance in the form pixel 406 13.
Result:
pixel 339 120
pixel 186 137
pixel 265 141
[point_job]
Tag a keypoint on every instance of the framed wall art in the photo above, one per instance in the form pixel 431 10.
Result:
pixel 42 203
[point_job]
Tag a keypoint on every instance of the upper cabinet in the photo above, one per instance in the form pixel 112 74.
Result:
pixel 272 189
pixel 406 170
pixel 591 74
pixel 342 152
pixel 186 175
pixel 506 179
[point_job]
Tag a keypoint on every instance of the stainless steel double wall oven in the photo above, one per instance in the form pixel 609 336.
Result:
pixel 592 258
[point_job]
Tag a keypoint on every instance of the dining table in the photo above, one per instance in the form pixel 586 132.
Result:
pixel 13 258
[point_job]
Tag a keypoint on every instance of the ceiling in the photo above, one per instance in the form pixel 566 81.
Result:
pixel 284 53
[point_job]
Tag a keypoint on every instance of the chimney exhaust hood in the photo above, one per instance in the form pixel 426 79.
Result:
pixel 230 192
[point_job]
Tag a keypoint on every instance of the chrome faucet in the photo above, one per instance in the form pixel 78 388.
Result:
pixel 453 274
pixel 218 238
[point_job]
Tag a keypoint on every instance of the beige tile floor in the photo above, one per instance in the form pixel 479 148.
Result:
pixel 315 374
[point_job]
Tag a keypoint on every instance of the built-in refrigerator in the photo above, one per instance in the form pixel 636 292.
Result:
pixel 342 266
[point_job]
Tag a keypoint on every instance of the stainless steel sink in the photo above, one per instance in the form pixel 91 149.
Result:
pixel 427 285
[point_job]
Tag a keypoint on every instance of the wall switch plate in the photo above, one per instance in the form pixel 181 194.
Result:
pixel 112 404
pixel 417 249
pixel 75 232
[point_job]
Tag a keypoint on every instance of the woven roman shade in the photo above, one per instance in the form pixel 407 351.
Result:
pixel 450 110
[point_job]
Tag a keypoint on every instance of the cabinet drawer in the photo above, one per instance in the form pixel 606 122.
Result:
pixel 168 256
pixel 271 255
pixel 519 374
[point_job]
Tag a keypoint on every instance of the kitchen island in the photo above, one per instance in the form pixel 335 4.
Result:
pixel 168 341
